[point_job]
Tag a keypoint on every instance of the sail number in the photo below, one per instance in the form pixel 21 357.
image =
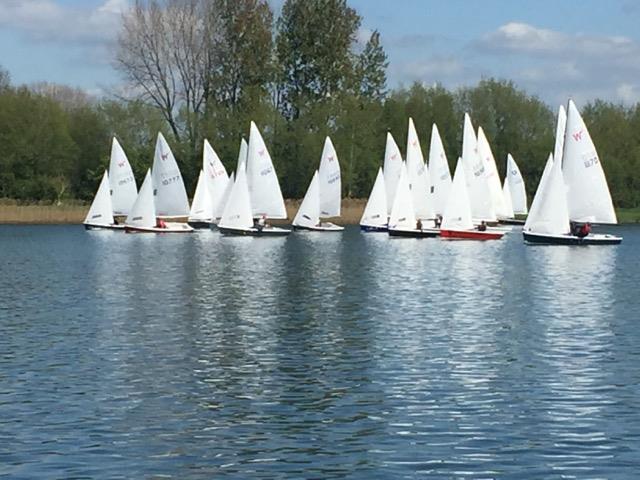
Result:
pixel 170 180
pixel 334 178
pixel 266 171
pixel 590 160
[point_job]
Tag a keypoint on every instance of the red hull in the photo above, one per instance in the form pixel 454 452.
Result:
pixel 470 235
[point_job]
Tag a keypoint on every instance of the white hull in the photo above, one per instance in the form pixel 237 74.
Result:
pixel 171 227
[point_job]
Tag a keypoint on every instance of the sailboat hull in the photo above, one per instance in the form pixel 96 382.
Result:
pixel 424 233
pixel 324 227
pixel 510 221
pixel 94 226
pixel 592 239
pixel 255 232
pixel 170 228
pixel 470 235
pixel 373 228
pixel 200 224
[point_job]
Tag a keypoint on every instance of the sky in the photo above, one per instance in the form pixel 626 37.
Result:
pixel 554 49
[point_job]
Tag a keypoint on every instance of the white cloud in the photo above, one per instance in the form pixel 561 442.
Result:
pixel 48 20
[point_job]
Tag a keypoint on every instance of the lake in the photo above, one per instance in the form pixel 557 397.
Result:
pixel 316 356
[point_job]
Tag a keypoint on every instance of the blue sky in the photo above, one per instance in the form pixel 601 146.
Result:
pixel 553 49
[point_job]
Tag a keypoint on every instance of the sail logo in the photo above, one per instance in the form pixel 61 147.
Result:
pixel 261 152
pixel 414 143
pixel 577 136
pixel 394 156
pixel 164 156
pixel 121 164
pixel 331 158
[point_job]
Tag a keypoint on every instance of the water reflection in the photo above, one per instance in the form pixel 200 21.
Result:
pixel 324 356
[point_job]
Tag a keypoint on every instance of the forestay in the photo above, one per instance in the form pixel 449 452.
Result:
pixel 143 212
pixel 392 169
pixel 237 212
pixel 515 184
pixel 170 194
pixel 329 181
pixel 549 213
pixel 588 195
pixel 403 215
pixel 101 211
pixel 121 180
pixel 375 212
pixel 262 180
pixel 418 176
pixel 309 212
pixel 477 186
pixel 438 172
pixel 457 214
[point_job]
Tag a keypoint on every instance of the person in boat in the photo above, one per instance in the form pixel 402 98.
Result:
pixel 583 230
pixel 160 223
pixel 419 225
pixel 482 227
pixel 262 222
pixel 438 221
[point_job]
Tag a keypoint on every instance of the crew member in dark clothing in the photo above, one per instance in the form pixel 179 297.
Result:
pixel 584 230
pixel 482 227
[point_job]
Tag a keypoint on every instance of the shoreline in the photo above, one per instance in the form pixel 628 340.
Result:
pixel 74 214
pixel 352 209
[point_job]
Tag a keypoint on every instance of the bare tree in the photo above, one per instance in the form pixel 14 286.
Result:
pixel 162 51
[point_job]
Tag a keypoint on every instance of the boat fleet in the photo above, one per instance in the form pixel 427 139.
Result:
pixel 409 198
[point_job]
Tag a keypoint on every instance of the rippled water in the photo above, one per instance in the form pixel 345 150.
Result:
pixel 316 356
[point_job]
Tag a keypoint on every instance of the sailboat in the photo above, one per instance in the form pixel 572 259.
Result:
pixel 143 216
pixel 209 190
pixel 478 191
pixel 237 218
pixel 457 223
pixel 100 215
pixel 323 196
pixel 169 192
pixel 492 177
pixel 575 191
pixel 439 172
pixel 418 176
pixel 392 168
pixel 548 221
pixel 375 217
pixel 514 193
pixel 403 221
pixel 121 180
pixel 200 214
pixel 263 199
pixel 242 154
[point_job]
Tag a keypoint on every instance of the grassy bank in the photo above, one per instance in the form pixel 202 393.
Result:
pixel 352 209
pixel 10 212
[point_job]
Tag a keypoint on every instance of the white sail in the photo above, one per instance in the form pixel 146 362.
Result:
pixel 237 212
pixel 439 172
pixel 264 188
pixel 375 212
pixel 506 193
pixel 392 168
pixel 477 186
pixel 143 212
pixel 549 211
pixel 201 206
pixel 329 180
pixel 560 132
pixel 170 194
pixel 515 181
pixel 402 212
pixel 588 195
pixel 309 212
pixel 242 155
pixel 216 179
pixel 491 175
pixel 217 214
pixel 457 214
pixel 418 176
pixel 122 181
pixel 101 211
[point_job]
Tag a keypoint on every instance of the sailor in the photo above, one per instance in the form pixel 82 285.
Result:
pixel 584 230
pixel 262 222
pixel 438 221
pixel 419 225
pixel 482 227
pixel 160 223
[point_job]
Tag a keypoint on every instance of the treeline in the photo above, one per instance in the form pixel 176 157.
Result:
pixel 205 69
